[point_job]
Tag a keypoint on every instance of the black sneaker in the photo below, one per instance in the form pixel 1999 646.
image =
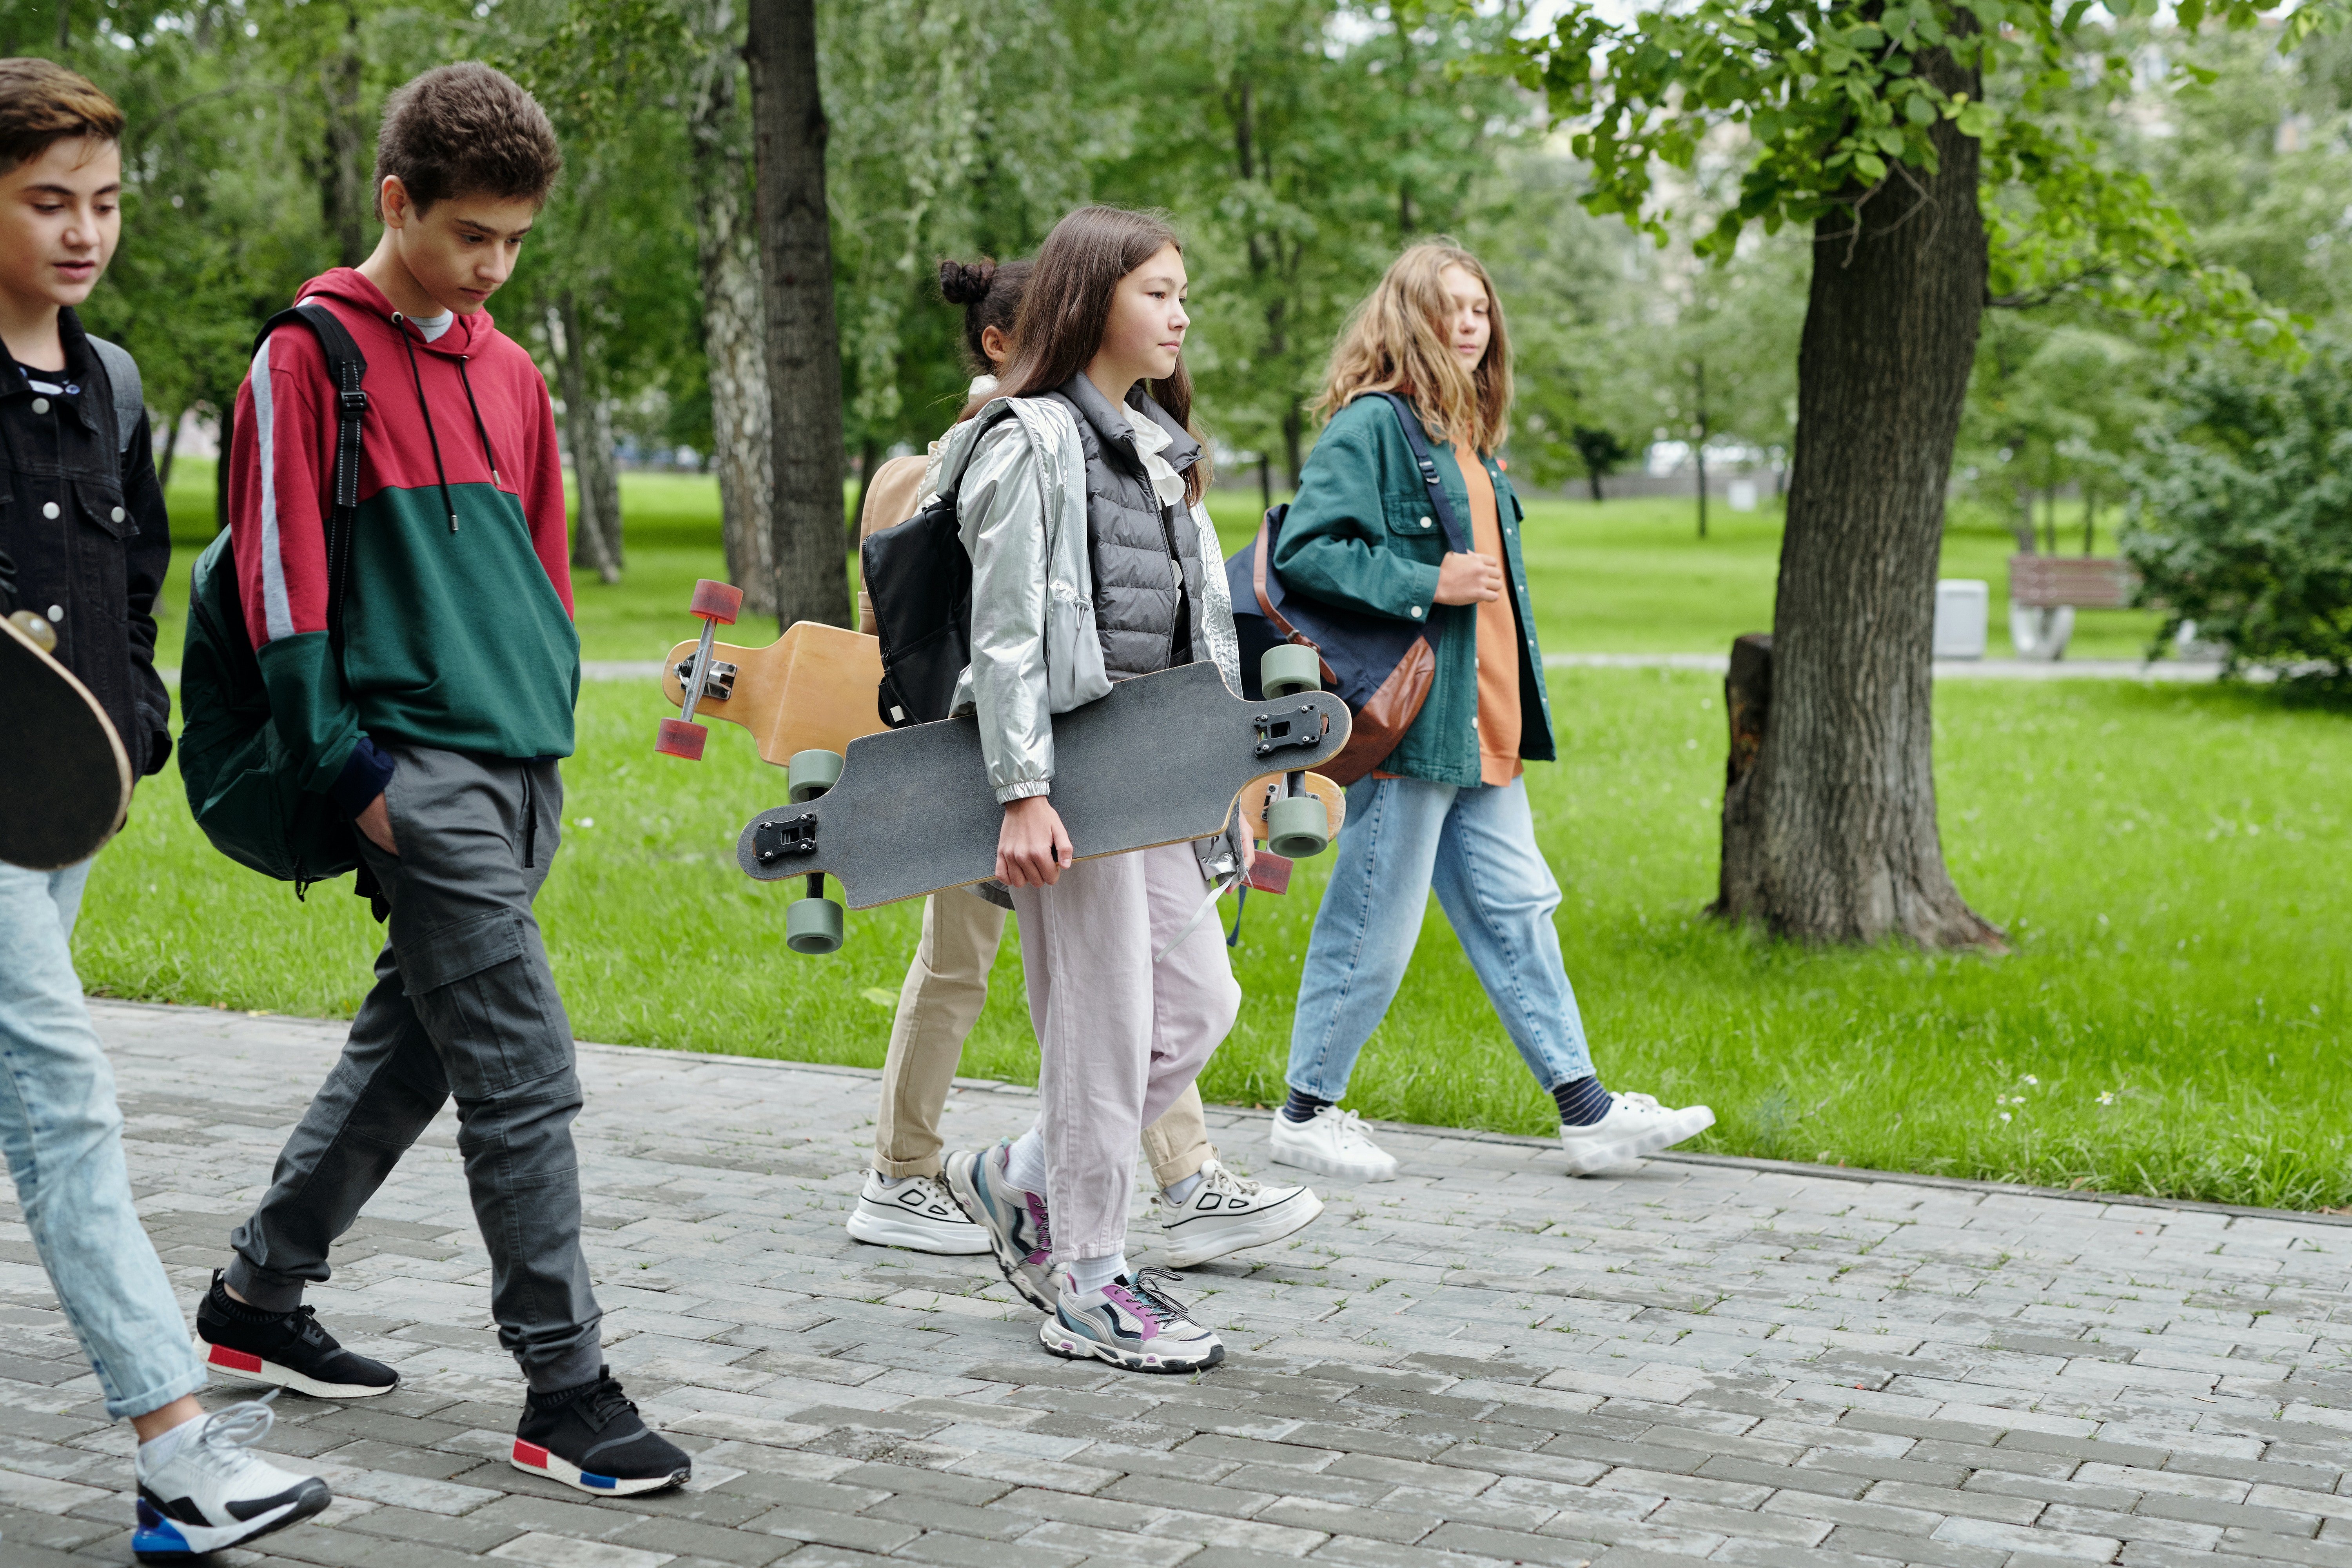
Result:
pixel 591 1438
pixel 288 1349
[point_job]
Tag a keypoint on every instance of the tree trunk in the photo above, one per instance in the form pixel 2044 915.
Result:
pixel 343 196
pixel 1293 429
pixel 788 135
pixel 1699 449
pixel 588 430
pixel 172 447
pixel 1831 835
pixel 734 330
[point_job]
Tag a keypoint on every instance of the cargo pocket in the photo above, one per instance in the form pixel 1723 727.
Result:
pixel 482 989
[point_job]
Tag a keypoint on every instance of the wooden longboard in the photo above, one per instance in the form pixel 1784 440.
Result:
pixel 1163 759
pixel 65 783
pixel 810 690
pixel 1334 797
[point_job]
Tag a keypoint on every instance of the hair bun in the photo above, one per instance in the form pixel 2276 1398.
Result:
pixel 966 282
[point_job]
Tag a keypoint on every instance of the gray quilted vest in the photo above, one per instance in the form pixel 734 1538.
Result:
pixel 1145 624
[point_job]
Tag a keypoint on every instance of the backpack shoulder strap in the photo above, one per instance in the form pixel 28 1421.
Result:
pixel 1458 538
pixel 129 397
pixel 347 368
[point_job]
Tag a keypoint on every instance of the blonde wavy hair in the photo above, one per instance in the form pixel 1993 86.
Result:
pixel 1397 340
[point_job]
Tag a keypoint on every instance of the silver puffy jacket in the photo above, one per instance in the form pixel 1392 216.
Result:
pixel 1035 652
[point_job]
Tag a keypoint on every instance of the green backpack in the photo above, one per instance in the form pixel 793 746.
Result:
pixel 244 788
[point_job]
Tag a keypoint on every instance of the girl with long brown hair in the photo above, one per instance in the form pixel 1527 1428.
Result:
pixel 1206 1210
pixel 1078 490
pixel 1447 808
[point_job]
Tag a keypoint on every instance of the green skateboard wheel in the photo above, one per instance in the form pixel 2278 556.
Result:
pixel 809 774
pixel 1287 670
pixel 812 925
pixel 1297 827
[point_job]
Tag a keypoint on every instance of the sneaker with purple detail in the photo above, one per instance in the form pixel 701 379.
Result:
pixel 1015 1220
pixel 1132 1323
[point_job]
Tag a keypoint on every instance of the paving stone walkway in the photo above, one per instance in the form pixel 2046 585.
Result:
pixel 1484 1362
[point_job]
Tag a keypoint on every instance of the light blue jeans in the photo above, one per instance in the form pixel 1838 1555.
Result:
pixel 1476 846
pixel 63 1136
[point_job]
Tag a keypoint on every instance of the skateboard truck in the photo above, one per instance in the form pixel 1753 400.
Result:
pixel 813 924
pixel 717 604
pixel 1297 826
pixel 717 682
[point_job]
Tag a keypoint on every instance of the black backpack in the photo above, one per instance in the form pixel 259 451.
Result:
pixel 918 576
pixel 243 788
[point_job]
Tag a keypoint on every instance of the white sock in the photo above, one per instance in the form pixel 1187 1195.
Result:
pixel 1091 1274
pixel 157 1451
pixel 1025 1163
pixel 1181 1192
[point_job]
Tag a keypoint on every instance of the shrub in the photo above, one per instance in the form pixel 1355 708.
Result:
pixel 2241 517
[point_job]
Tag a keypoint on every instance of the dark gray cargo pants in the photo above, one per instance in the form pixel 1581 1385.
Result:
pixel 464 1005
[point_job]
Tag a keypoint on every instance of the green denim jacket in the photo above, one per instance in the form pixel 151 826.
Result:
pixel 1361 535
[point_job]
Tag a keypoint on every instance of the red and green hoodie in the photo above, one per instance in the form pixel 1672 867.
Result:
pixel 457 619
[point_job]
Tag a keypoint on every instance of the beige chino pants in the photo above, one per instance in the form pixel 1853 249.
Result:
pixel 946 987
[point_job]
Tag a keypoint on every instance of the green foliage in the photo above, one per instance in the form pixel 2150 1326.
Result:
pixel 1833 104
pixel 2241 501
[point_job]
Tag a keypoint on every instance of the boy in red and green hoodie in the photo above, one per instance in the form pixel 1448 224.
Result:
pixel 437 733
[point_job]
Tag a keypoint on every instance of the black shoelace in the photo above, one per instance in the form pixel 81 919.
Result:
pixel 604 1403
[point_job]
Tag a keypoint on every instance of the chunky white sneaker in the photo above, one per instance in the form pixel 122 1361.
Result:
pixel 913 1212
pixel 1018 1231
pixel 1333 1144
pixel 1132 1322
pixel 214 1492
pixel 1636 1125
pixel 1227 1211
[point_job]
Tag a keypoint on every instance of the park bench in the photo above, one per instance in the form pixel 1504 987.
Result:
pixel 2044 592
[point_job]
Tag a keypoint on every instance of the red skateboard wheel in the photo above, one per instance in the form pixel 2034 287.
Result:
pixel 680 738
pixel 719 602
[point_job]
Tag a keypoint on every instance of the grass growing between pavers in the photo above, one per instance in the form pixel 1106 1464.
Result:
pixel 2168 862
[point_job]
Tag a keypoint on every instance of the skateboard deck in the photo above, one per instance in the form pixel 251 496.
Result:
pixel 810 690
pixel 1161 760
pixel 65 787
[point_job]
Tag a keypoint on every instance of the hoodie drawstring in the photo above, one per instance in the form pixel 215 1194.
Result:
pixel 479 429
pixel 401 323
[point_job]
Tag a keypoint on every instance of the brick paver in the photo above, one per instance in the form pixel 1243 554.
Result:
pixel 1483 1362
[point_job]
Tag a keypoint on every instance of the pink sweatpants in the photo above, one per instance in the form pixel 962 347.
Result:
pixel 1118 1036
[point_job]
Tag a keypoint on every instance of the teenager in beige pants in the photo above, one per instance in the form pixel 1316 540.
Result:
pixel 902 1203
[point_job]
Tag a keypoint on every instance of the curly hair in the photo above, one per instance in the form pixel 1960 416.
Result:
pixel 465 129
pixel 1396 341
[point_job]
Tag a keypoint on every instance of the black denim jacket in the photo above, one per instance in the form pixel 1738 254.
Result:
pixel 83 523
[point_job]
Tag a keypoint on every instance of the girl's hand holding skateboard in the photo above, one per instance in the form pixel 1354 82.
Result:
pixel 1032 849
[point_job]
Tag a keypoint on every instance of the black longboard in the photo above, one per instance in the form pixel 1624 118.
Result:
pixel 65 783
pixel 1159 760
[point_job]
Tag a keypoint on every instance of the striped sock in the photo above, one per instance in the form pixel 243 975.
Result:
pixel 1583 1101
pixel 1302 1107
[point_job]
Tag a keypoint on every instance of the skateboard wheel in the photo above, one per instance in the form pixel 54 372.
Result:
pixel 721 602
pixel 1287 669
pixel 810 773
pixel 1297 827
pixel 680 738
pixel 813 926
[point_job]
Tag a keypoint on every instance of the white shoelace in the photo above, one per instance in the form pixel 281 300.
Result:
pixel 1643 1104
pixel 220 1444
pixel 1215 1178
pixel 1347 1127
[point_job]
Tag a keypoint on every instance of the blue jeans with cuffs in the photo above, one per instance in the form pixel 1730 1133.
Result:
pixel 1476 845
pixel 62 1134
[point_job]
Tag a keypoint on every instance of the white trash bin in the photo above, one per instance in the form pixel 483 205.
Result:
pixel 1962 607
pixel 1743 495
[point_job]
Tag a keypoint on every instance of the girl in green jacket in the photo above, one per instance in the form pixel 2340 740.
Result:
pixel 1447 808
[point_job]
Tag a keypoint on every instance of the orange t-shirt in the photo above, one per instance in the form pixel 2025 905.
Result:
pixel 1498 635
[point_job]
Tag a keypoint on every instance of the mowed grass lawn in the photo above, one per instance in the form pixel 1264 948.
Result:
pixel 2167 859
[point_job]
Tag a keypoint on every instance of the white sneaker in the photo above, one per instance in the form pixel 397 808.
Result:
pixel 1227 1211
pixel 1333 1144
pixel 1636 1125
pixel 215 1492
pixel 913 1212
